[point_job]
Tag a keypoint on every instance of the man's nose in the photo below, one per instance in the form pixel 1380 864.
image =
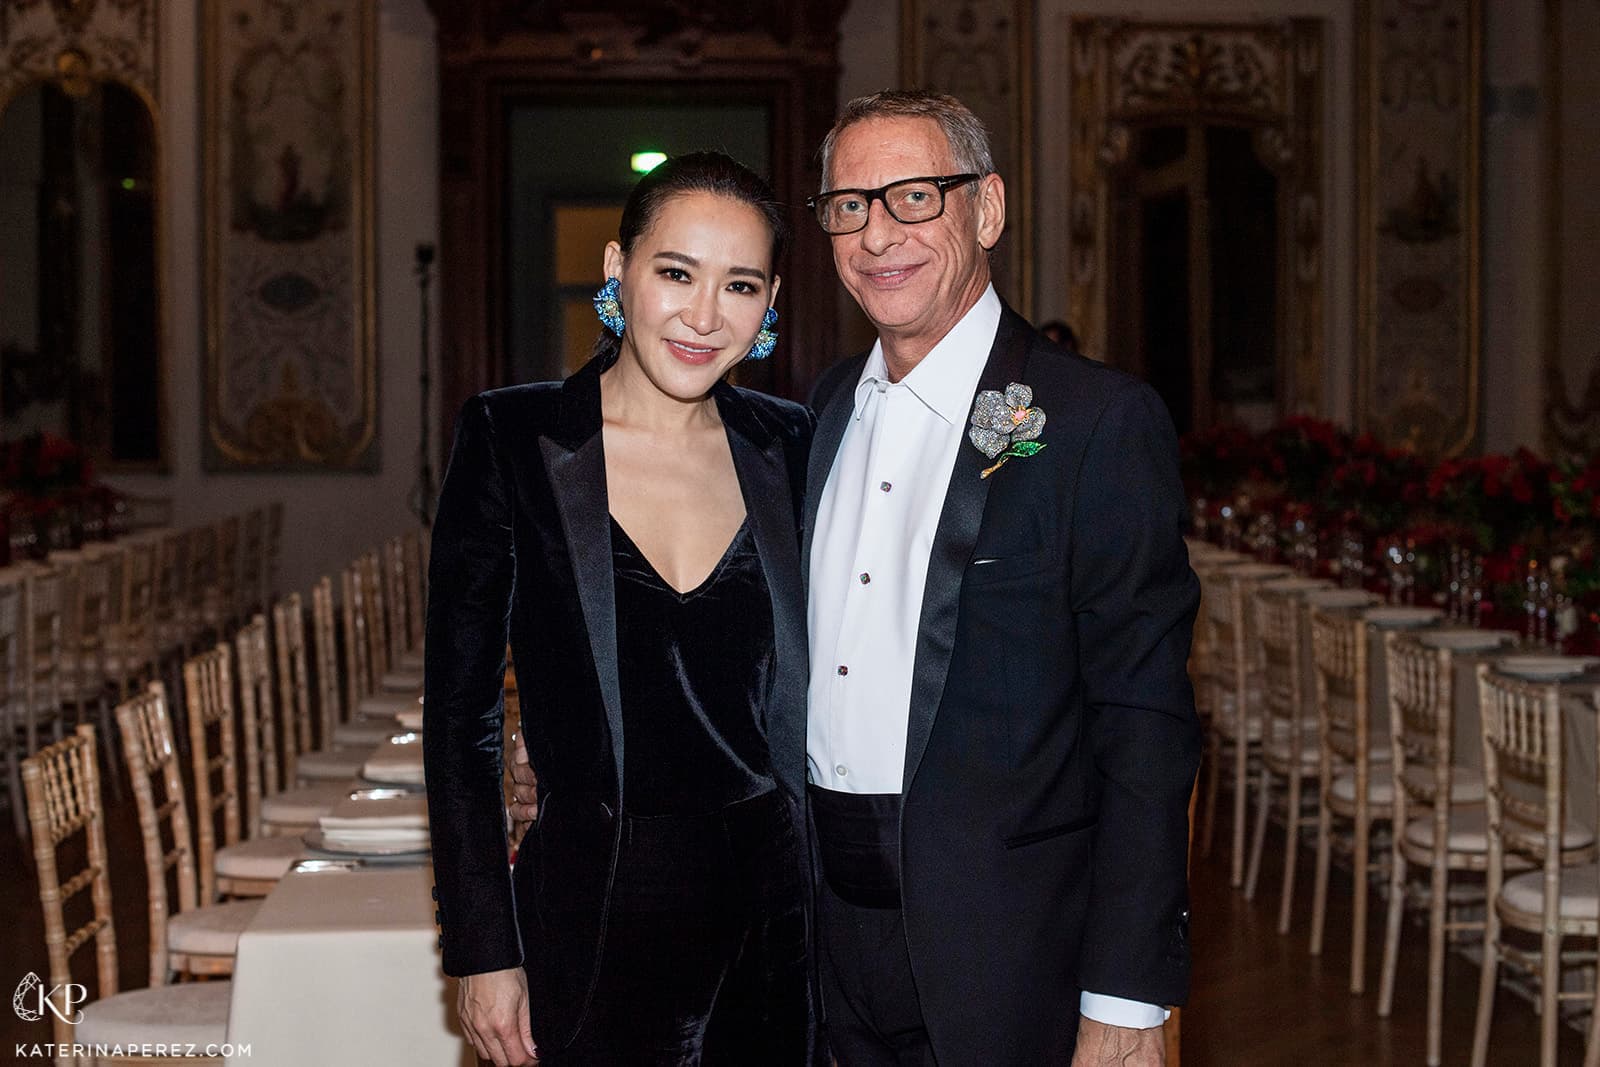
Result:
pixel 883 231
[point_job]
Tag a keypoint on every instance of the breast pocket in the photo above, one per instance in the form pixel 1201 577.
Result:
pixel 986 570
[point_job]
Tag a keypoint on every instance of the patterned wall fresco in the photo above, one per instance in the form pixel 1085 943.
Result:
pixel 981 52
pixel 291 376
pixel 1418 345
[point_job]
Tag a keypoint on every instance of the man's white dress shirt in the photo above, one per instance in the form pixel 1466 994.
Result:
pixel 869 564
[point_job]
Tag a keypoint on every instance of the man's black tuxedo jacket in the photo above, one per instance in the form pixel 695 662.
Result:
pixel 522 547
pixel 1053 741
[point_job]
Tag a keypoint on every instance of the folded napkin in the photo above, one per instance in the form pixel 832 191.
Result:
pixel 395 821
pixel 395 763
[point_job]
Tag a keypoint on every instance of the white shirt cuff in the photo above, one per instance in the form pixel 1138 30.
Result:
pixel 1118 1011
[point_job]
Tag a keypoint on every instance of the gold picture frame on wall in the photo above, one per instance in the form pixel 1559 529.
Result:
pixel 290 379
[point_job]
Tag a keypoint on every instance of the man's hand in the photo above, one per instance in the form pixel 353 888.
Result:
pixel 1103 1045
pixel 493 1007
pixel 524 798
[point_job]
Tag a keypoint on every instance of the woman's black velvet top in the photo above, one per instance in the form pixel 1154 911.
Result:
pixel 696 670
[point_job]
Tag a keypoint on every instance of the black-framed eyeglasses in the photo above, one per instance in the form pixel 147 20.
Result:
pixel 909 201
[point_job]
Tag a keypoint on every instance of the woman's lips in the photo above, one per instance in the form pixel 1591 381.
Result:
pixel 696 355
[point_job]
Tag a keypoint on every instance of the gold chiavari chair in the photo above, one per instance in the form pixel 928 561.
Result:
pixel 1289 753
pixel 220 603
pixel 63 787
pixel 13 695
pixel 413 583
pixel 131 653
pixel 89 621
pixel 199 939
pixel 1351 788
pixel 274 548
pixel 329 763
pixel 1439 817
pixel 228 864
pixel 364 701
pixel 384 629
pixel 252 593
pixel 1524 770
pixel 1234 691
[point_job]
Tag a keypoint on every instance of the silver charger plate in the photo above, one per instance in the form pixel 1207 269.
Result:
pixel 314 838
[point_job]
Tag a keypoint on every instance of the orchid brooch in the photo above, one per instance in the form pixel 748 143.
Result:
pixel 1005 425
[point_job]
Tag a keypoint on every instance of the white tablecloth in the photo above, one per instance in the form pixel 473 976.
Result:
pixel 343 967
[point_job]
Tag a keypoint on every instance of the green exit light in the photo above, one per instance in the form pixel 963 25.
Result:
pixel 645 162
pixel 128 184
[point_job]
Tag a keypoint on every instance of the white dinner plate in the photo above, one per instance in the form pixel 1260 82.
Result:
pixel 1400 615
pixel 1294 585
pixel 314 838
pixel 1546 668
pixel 1258 570
pixel 1339 598
pixel 1466 639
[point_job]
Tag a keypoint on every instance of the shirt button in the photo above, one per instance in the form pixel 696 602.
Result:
pixel 866 579
pixel 843 670
pixel 841 770
pixel 885 486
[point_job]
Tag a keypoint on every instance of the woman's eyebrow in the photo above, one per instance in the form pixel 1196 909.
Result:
pixel 689 261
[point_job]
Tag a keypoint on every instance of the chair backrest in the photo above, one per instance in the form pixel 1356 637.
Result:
pixel 13 680
pixel 392 567
pixel 1339 652
pixel 330 709
pixel 1277 615
pixel 358 664
pixel 274 550
pixel 1225 624
pixel 89 616
pixel 136 635
pixel 258 719
pixel 200 554
pixel 294 688
pixel 253 562
pixel 1421 721
pixel 44 644
pixel 380 653
pixel 225 580
pixel 412 559
pixel 152 755
pixel 213 750
pixel 172 576
pixel 62 784
pixel 1523 768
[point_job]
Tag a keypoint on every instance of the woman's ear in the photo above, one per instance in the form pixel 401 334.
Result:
pixel 613 260
pixel 772 297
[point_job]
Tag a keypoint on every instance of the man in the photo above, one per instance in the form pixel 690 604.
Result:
pixel 1001 737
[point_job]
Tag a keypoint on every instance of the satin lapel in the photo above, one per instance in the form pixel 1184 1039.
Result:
pixel 764 482
pixel 578 483
pixel 952 549
pixel 831 423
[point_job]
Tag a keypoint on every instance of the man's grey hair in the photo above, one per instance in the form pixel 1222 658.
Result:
pixel 969 140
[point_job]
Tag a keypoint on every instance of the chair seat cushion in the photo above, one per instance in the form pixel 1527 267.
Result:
pixel 401 681
pixel 304 806
pixel 1277 750
pixel 332 764
pixel 387 705
pixel 1580 892
pixel 1466 783
pixel 191 1013
pixel 410 661
pixel 1380 786
pixel 212 930
pixel 366 733
pixel 1469 831
pixel 263 858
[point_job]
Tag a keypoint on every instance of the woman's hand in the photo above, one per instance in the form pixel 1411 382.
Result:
pixel 493 1007
pixel 524 795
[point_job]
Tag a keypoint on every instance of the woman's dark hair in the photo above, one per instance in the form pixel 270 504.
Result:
pixel 694 172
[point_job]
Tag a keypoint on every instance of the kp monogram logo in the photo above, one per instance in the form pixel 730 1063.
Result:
pixel 32 999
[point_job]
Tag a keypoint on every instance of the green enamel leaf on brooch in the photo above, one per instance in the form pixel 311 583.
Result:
pixel 1025 448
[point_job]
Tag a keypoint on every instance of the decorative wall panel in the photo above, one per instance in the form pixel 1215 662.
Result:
pixel 1572 330
pixel 56 39
pixel 981 51
pixel 1418 342
pixel 290 369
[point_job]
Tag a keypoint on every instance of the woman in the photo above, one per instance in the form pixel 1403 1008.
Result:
pixel 633 531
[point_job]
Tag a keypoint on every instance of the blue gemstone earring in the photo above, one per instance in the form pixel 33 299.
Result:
pixel 609 308
pixel 767 339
